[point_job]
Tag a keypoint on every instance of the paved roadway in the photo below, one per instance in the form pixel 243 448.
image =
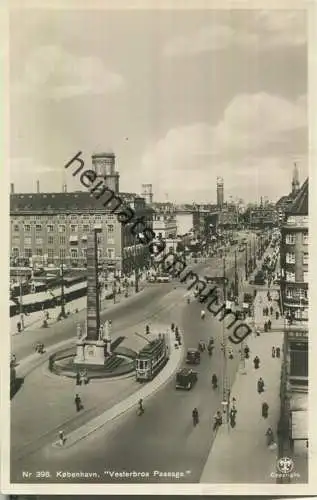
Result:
pixel 164 438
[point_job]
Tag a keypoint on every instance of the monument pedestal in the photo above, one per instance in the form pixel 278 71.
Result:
pixel 90 352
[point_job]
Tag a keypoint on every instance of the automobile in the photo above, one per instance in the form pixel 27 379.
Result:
pixel 259 279
pixel 186 378
pixel 193 356
pixel 151 279
pixel 163 278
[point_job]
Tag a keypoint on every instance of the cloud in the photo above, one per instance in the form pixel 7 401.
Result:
pixel 269 29
pixel 26 166
pixel 283 28
pixel 52 72
pixel 256 136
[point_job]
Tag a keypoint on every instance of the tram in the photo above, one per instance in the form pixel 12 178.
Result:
pixel 152 358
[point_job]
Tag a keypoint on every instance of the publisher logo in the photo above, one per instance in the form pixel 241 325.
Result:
pixel 285 465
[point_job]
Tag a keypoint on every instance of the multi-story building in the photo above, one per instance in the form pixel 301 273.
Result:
pixel 164 220
pixel 53 227
pixel 228 218
pixel 263 217
pixel 294 257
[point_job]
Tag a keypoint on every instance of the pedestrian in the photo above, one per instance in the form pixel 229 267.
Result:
pixel 264 311
pixel 260 385
pixel 78 403
pixel 256 362
pixel 271 310
pixel 269 324
pixel 232 416
pixel 277 315
pixel 269 437
pixel 265 326
pixel 62 438
pixel 246 352
pixel 265 409
pixel 78 379
pixel 273 352
pixel 278 352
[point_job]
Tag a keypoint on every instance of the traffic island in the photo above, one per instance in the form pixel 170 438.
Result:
pixel 120 362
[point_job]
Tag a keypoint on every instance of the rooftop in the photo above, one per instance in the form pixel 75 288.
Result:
pixel 65 202
pixel 300 203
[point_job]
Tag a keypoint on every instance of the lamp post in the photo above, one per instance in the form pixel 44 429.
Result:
pixel 21 303
pixel 136 270
pixel 225 388
pixel 236 277
pixel 246 263
pixel 62 313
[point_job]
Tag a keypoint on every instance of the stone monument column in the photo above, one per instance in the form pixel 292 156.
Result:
pixel 90 350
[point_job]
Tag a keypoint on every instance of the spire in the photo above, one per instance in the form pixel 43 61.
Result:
pixel 295 179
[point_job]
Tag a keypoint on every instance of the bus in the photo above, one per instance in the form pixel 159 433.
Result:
pixel 152 358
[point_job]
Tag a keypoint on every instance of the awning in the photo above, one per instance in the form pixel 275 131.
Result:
pixel 73 239
pixel 299 421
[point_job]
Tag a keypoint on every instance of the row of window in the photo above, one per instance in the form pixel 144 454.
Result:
pixel 296 293
pixel 61 228
pixel 290 239
pixel 51 240
pixel 74 253
pixel 290 258
pixel 289 276
pixel 90 218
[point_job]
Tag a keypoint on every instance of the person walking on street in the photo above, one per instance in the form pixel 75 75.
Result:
pixel 232 415
pixel 260 385
pixel 278 352
pixel 256 362
pixel 246 351
pixel 62 438
pixel 269 437
pixel 265 326
pixel 271 310
pixel 78 403
pixel 269 324
pixel 265 409
pixel 141 408
pixel 277 315
pixel 273 352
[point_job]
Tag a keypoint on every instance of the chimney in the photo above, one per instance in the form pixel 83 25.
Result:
pixel 12 188
pixel 37 186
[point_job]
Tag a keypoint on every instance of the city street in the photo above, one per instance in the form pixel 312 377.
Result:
pixel 168 412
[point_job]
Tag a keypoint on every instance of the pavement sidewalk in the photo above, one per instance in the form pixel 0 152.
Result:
pixel 241 455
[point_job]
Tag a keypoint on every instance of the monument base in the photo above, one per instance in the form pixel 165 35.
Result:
pixel 90 352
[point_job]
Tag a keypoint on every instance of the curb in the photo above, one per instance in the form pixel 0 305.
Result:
pixel 145 392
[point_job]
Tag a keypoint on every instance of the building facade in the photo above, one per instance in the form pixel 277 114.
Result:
pixel 164 220
pixel 50 228
pixel 294 257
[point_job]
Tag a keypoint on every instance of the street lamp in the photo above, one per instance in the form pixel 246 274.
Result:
pixel 236 277
pixel 246 263
pixel 62 313
pixel 21 303
pixel 136 270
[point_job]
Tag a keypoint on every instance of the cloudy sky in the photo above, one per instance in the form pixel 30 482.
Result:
pixel 181 97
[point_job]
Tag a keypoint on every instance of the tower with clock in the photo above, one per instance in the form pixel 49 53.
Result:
pixel 104 164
